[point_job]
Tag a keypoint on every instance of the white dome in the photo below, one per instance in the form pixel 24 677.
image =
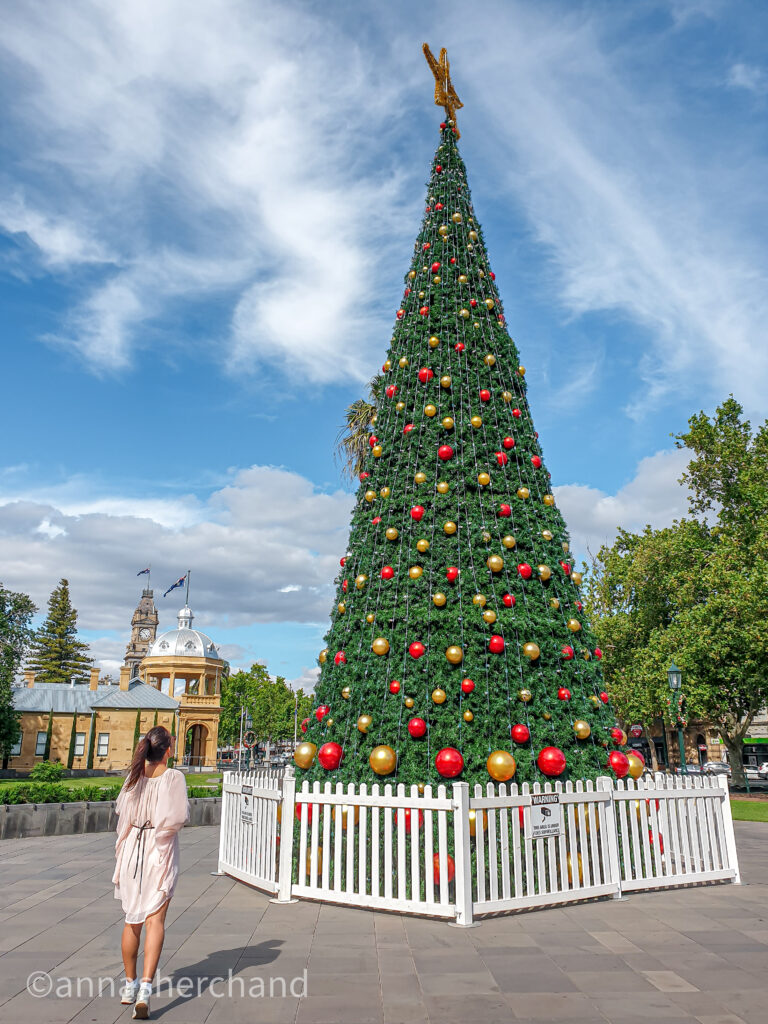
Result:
pixel 184 641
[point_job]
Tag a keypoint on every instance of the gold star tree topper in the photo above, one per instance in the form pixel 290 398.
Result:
pixel 445 94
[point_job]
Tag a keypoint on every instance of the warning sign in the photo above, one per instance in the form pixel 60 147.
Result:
pixel 246 804
pixel 546 816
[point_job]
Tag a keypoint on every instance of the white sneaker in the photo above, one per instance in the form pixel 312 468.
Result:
pixel 141 1009
pixel 128 990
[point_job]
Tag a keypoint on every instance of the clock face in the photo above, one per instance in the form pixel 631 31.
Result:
pixel 144 634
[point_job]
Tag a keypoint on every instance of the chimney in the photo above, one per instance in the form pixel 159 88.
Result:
pixel 125 676
pixel 29 677
pixel 94 679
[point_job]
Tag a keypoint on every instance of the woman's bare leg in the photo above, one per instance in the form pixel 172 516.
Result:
pixel 153 941
pixel 130 948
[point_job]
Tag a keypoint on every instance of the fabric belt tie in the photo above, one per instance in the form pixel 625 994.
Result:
pixel 140 848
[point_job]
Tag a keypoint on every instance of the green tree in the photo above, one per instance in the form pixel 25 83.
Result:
pixel 72 741
pixel 696 592
pixel 91 741
pixel 270 703
pixel 56 655
pixel 452 438
pixel 352 440
pixel 137 729
pixel 16 611
pixel 48 737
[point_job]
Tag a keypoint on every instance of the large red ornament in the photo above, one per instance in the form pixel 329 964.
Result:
pixel 502 458
pixel 406 813
pixel 427 245
pixel 563 693
pixel 459 346
pixel 536 461
pixel 304 725
pixel 376 520
pixel 485 395
pixel 525 570
pixel 424 311
pixel 400 314
pixel 604 697
pixel 439 206
pixel 321 710
pixel 373 440
pixel 617 735
pixel 445 452
pixel 340 658
pixel 566 568
pixel 425 374
pixel 391 390
pixel 496 644
pixel 567 652
pixel 516 413
pixel 493 276
pixel 330 755
pixel 343 561
pixel 450 867
pixel 473 303
pixel 387 572
pixel 467 686
pixel 417 513
pixel 407 428
pixel 508 442
pixel 364 476
pixel 452 573
pixel 508 600
pixel 449 762
pixel 344 586
pixel 505 511
pixel 521 733
pixel 298 812
pixel 438 168
pixel 435 267
pixel 551 761
pixel 416 649
pixel 618 762
pixel 394 686
pixel 598 653
pixel 417 727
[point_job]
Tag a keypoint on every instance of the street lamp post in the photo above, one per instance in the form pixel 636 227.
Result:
pixel 675 677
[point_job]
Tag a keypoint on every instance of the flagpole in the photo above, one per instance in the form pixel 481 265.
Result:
pixel 186 599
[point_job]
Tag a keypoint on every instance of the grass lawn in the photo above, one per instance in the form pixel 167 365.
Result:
pixel 196 779
pixel 749 810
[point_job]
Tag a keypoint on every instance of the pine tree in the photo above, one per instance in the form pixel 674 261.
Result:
pixel 137 729
pixel 56 654
pixel 91 741
pixel 72 741
pixel 48 738
pixel 458 624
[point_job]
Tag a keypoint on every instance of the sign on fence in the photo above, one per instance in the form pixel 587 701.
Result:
pixel 246 804
pixel 546 816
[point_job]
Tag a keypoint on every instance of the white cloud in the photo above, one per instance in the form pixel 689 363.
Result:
pixel 306 681
pixel 749 77
pixel 60 242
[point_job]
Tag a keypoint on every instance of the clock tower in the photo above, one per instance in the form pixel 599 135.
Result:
pixel 143 631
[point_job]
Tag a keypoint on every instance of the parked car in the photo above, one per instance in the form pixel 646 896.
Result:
pixel 716 768
pixel 762 771
pixel 691 769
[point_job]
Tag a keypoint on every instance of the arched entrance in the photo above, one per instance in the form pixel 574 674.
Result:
pixel 701 748
pixel 194 745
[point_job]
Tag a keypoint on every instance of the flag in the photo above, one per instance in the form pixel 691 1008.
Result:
pixel 143 571
pixel 178 583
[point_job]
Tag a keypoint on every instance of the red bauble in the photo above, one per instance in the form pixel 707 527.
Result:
pixel 563 693
pixel 508 600
pixel 450 867
pixel 521 733
pixel 661 840
pixel 516 413
pixel 508 442
pixel 473 303
pixel 566 567
pixel 638 755
pixel 425 374
pixel 391 390
pixel 485 395
pixel 617 735
pixel 407 428
pixel 445 452
pixel 502 458
pixel 330 755
pixel 453 258
pixel 505 511
pixel 343 561
pixel 438 169
pixel 604 697
pixel 459 346
pixel 416 649
pixel 394 686
pixel 407 817
pixel 304 725
pixel 618 762
pixel 598 653
pixel 567 652
pixel 384 368
pixel 493 276
pixel 400 314
pixel 551 761
pixel 439 206
pixel 417 513
pixel 364 476
pixel 496 644
pixel 452 574
pixel 449 762
pixel 536 461
pixel 387 572
pixel 376 520
pixel 340 658
pixel 298 812
pixel 525 570
pixel 467 686
pixel 321 710
pixel 373 440
pixel 407 292
pixel 427 245
pixel 417 727
pixel 344 586
pixel 435 267
pixel 424 311
pixel 578 605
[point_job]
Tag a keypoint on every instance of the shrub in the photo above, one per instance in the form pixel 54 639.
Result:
pixel 55 793
pixel 47 771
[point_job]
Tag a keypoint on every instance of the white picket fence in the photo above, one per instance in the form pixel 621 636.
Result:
pixel 446 853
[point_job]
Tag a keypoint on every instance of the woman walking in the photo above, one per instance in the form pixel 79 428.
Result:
pixel 152 807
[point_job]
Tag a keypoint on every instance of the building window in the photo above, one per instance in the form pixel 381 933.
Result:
pixel 79 744
pixel 103 744
pixel 40 745
pixel 16 748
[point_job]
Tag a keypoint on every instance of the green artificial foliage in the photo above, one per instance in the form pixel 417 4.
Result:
pixel 16 610
pixel 56 655
pixel 92 740
pixel 72 741
pixel 476 352
pixel 172 760
pixel 154 720
pixel 48 737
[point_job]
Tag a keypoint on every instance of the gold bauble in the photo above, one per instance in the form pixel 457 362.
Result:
pixel 581 728
pixel 370 617
pixel 400 406
pixel 483 479
pixel 462 278
pixel 349 811
pixel 476 421
pixel 438 696
pixel 481 273
pixel 474 818
pixel 421 787
pixel 525 696
pixel 636 766
pixel 547 534
pixel 364 723
pixel 387 365
pixel 456 217
pixel 408 702
pixel 341 607
pixel 594 701
pixel 361 580
pixel 445 381
pixel 443 487
pixel 521 370
pixel 322 656
pixel 480 600
pixel 420 477
pixel 385 492
pixel 402 362
pixel 454 654
pixel 370 495
pixel 486 537
pixel 546 716
pixel 411 275
pixel 489 303
pixel 523 492
pixel 429 410
pixel 448 423
pixel 374 417
pixel 507 396
pixel 531 650
pixel 501 766
pixel 577 578
pixel 508 541
pixel 489 616
pixel 380 646
pixel 548 499
pixel 415 572
pixel 434 341
pixel 490 359
pixel 383 760
pixel 422 545
pixel 376 451
pixel 587 655
pixel 304 754
pixel 464 313
pixel 569 858
pixel 449 527
pixel 495 563
pixel 574 625
pixel 544 572
pixel 554 603
pixel 473 236
pixel 439 599
pixel 443 230
pixel 391 533
pixel 346 693
pixel 467 716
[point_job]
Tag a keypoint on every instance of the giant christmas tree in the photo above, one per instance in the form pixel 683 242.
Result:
pixel 458 647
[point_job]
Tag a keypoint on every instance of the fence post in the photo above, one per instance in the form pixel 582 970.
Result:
pixel 462 851
pixel 605 785
pixel 730 838
pixel 222 822
pixel 285 864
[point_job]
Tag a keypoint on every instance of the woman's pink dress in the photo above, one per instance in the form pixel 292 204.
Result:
pixel 150 815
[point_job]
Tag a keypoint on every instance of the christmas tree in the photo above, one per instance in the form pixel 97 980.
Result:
pixel 56 655
pixel 458 647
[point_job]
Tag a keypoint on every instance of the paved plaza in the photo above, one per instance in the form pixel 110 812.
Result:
pixel 686 955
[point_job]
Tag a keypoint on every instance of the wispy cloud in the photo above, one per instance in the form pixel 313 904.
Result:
pixel 749 77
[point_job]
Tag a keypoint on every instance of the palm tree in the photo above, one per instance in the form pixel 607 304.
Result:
pixel 352 438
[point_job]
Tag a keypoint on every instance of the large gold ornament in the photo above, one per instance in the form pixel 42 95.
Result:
pixel 548 499
pixel 304 754
pixel 443 487
pixel 544 572
pixel 385 492
pixel 346 692
pixel 483 479
pixel 474 818
pixel 364 723
pixel 454 654
pixel 439 599
pixel 443 230
pixel 438 696
pixel 468 716
pixel 391 533
pixel 445 381
pixel 415 572
pixel 523 492
pixel 489 616
pixel 402 362
pixel 430 410
pixel 383 760
pixel 361 580
pixel 636 766
pixel 380 645
pixel 577 578
pixel 525 696
pixel 370 496
pixel 507 396
pixel 408 702
pixel 370 617
pixel 479 599
pixel 456 217
pixel 422 545
pixel 531 650
pixel 574 625
pixel 508 541
pixel 322 656
pixel 547 534
pixel 341 607
pixel 448 422
pixel 582 729
pixel 476 421
pixel 377 450
pixel 495 563
pixel 449 528
pixel 434 341
pixel 554 603
pixel 490 359
pixel 501 766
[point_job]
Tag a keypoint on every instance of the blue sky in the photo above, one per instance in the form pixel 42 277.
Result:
pixel 205 215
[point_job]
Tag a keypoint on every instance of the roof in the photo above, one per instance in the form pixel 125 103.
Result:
pixel 184 642
pixel 58 697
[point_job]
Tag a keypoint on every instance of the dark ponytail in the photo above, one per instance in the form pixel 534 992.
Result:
pixel 151 748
